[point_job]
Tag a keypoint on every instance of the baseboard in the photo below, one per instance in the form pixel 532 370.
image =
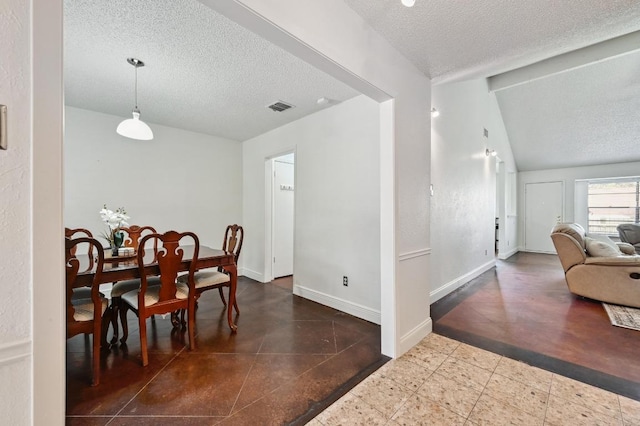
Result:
pixel 414 336
pixel 503 256
pixel 15 351
pixel 447 288
pixel 257 276
pixel 346 306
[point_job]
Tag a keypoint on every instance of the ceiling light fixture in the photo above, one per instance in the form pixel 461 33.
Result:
pixel 490 152
pixel 434 112
pixel 409 3
pixel 134 128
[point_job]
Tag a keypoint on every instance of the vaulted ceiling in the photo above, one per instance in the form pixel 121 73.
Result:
pixel 205 73
pixel 574 115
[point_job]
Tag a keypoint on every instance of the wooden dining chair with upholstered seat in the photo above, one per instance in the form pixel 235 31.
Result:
pixel 84 314
pixel 169 296
pixel 71 233
pixel 132 238
pixel 209 279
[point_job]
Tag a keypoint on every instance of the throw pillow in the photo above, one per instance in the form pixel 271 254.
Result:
pixel 605 239
pixel 597 248
pixel 626 248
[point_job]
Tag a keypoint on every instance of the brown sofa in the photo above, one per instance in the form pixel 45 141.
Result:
pixel 595 271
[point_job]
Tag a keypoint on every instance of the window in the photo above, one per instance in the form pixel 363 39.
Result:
pixel 612 202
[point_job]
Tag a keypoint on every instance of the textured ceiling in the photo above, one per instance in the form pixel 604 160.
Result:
pixel 207 74
pixel 203 72
pixel 461 39
pixel 586 116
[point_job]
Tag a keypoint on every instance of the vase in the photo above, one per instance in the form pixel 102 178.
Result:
pixel 118 239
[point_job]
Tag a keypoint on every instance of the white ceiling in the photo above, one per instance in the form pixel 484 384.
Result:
pixel 205 73
pixel 586 116
pixel 589 115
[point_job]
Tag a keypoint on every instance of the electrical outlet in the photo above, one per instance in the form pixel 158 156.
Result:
pixel 345 281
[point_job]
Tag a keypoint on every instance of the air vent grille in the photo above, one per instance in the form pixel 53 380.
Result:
pixel 280 106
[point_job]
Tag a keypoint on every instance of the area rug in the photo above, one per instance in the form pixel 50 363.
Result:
pixel 623 316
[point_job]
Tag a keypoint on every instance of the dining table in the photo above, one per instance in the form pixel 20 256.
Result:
pixel 126 268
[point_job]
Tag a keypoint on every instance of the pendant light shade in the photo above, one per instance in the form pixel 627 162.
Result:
pixel 134 128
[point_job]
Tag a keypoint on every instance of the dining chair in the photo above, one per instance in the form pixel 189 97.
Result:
pixel 170 295
pixel 131 239
pixel 218 277
pixel 80 292
pixel 84 314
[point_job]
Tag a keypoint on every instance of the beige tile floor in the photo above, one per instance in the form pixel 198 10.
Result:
pixel 444 382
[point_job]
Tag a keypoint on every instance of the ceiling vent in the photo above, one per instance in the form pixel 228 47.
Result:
pixel 280 106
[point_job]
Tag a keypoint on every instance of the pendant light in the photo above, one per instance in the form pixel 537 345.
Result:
pixel 134 128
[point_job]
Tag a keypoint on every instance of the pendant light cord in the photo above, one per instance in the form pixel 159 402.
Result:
pixel 136 86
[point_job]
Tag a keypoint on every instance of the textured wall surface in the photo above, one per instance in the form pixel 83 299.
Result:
pixel 337 216
pixel 15 266
pixel 180 180
pixel 350 44
pixel 463 207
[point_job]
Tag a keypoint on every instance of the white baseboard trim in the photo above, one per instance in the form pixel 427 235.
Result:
pixel 452 285
pixel 414 336
pixel 15 351
pixel 257 276
pixel 503 256
pixel 346 306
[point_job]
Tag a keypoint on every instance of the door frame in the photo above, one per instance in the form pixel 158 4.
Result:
pixel 268 209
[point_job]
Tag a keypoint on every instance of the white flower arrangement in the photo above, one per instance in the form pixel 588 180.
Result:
pixel 114 221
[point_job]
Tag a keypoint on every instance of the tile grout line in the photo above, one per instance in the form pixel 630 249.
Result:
pixel 244 382
pixel 146 384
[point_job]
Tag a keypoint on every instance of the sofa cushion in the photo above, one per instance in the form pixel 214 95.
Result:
pixel 599 248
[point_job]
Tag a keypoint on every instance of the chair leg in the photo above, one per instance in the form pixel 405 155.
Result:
pixel 123 320
pixel 143 339
pixel 107 318
pixel 191 315
pixel 95 368
pixel 224 302
pixel 115 310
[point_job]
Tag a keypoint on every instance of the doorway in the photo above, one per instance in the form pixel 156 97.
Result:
pixel 279 215
pixel 543 209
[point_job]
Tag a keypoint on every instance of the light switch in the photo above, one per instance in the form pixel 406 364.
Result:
pixel 3 127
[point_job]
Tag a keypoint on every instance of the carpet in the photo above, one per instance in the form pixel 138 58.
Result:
pixel 623 316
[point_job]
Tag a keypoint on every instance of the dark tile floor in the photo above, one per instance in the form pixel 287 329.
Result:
pixel 523 309
pixel 290 359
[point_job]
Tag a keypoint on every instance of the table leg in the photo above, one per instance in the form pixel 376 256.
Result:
pixel 233 273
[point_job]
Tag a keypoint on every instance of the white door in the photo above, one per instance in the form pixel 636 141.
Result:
pixel 543 209
pixel 283 197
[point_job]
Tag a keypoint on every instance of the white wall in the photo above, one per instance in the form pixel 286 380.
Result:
pixel 350 50
pixel 15 207
pixel 569 176
pixel 337 205
pixel 180 180
pixel 463 207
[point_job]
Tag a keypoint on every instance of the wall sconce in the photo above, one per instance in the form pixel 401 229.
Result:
pixel 490 152
pixel 408 3
pixel 434 112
